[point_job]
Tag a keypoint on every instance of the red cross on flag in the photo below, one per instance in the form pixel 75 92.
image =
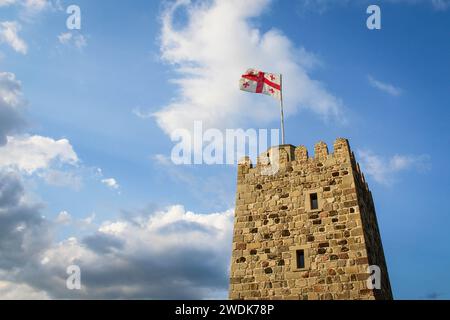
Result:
pixel 261 82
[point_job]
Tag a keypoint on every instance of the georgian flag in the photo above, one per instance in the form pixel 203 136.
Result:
pixel 261 82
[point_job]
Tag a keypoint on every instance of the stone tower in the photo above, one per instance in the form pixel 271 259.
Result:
pixel 309 231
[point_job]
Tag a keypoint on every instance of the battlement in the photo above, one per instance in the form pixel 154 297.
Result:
pixel 298 158
pixel 289 153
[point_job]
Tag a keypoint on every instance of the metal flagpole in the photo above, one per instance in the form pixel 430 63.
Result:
pixel 281 110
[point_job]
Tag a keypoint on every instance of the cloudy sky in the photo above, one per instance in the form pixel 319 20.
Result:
pixel 86 118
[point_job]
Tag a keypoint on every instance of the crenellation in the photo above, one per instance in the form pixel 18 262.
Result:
pixel 301 154
pixel 336 230
pixel 341 149
pixel 290 155
pixel 321 150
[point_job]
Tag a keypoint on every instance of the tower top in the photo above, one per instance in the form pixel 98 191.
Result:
pixel 307 231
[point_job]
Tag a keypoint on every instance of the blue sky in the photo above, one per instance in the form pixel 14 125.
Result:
pixel 99 105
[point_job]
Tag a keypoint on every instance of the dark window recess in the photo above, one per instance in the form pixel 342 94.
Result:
pixel 314 201
pixel 300 259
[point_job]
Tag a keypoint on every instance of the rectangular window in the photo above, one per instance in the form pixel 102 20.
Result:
pixel 314 201
pixel 300 259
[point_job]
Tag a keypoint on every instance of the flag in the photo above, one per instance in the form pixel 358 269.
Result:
pixel 261 82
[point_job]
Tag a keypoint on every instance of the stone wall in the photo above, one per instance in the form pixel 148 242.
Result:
pixel 273 219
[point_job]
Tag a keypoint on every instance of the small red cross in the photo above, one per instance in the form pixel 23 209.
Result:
pixel 246 85
pixel 272 77
pixel 271 91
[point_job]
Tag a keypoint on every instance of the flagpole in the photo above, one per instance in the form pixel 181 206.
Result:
pixel 281 110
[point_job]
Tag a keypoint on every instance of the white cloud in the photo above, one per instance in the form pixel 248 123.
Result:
pixel 160 242
pixel 188 253
pixel 160 229
pixel 32 153
pixel 64 218
pixel 385 87
pixel 213 48
pixel 77 40
pixel 16 291
pixel 383 170
pixel 111 183
pixel 9 34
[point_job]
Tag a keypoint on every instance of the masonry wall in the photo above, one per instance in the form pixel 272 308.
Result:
pixel 374 246
pixel 273 219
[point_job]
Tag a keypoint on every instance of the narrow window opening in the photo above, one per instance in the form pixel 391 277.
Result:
pixel 300 259
pixel 314 201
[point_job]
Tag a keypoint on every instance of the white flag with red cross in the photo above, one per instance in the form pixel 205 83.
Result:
pixel 261 82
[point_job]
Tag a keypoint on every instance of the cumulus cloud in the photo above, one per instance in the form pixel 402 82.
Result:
pixel 14 291
pixel 11 104
pixel 383 169
pixel 384 87
pixel 9 34
pixel 111 183
pixel 169 254
pixel 32 153
pixel 24 233
pixel 213 47
pixel 172 253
